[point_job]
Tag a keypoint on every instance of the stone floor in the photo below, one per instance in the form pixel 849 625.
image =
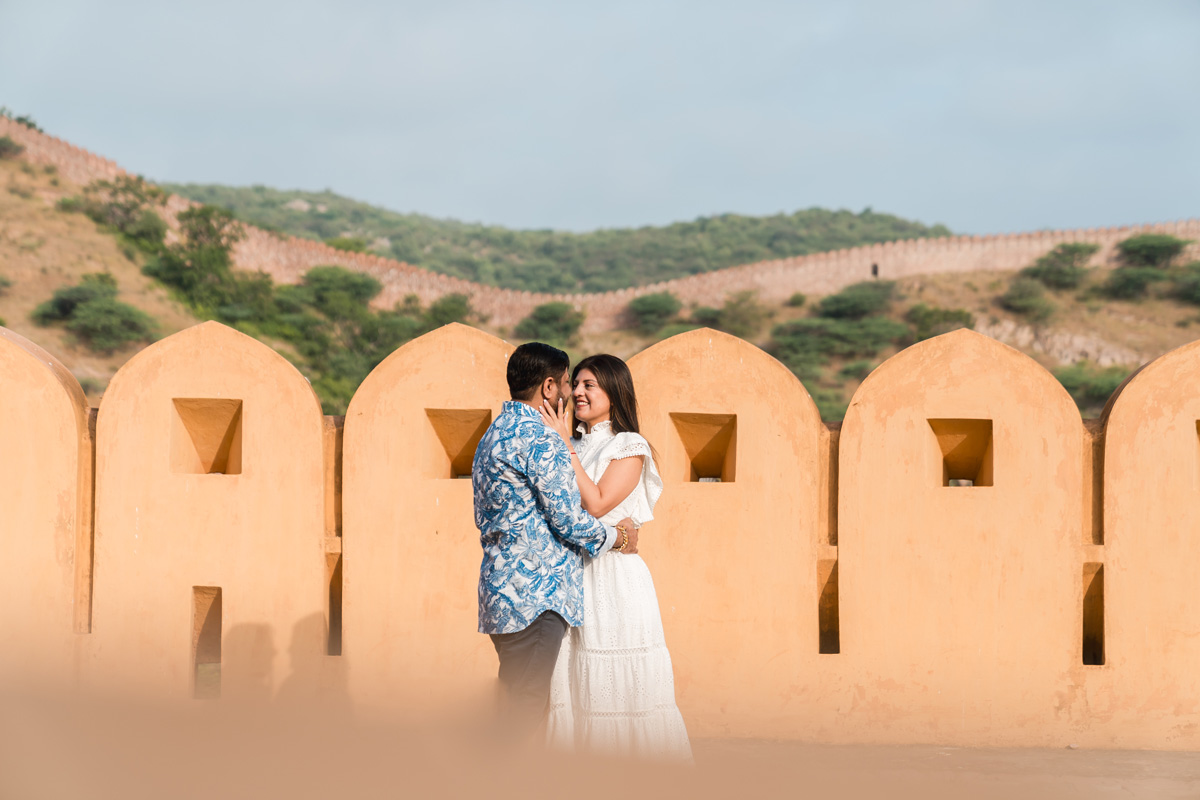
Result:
pixel 769 769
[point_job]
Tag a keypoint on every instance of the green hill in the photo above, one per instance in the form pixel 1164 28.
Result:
pixel 554 261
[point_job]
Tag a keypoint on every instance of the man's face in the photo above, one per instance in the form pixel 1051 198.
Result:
pixel 564 390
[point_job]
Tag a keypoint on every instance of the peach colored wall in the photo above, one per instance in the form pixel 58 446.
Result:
pixel 830 588
pixel 412 549
pixel 961 601
pixel 45 512
pixel 287 258
pixel 736 563
pixel 170 517
pixel 1151 552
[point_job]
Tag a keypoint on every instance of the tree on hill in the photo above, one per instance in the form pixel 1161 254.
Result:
pixel 651 312
pixel 1064 267
pixel 858 300
pixel 1155 250
pixel 556 323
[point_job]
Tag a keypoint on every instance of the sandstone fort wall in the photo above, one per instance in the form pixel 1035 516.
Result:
pixel 963 561
pixel 287 258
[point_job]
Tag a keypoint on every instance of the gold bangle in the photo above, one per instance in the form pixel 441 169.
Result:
pixel 624 538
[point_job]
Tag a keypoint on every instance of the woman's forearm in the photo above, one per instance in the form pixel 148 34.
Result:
pixel 615 484
pixel 589 492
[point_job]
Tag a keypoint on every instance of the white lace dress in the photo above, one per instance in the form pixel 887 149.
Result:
pixel 613 689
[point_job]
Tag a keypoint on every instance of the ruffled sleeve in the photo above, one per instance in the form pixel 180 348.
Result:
pixel 628 445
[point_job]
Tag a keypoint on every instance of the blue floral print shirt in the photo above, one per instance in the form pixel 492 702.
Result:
pixel 531 523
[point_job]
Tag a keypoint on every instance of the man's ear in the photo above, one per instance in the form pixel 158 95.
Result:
pixel 549 388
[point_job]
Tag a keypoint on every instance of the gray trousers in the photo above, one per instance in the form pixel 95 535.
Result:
pixel 527 660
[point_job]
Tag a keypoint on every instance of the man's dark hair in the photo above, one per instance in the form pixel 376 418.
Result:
pixel 530 365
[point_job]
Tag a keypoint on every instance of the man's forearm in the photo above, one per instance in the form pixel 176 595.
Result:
pixel 609 541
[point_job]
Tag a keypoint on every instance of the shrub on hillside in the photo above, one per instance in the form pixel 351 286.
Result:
pixel 1150 250
pixel 857 370
pixel 741 315
pixel 676 328
pixel 450 308
pixel 1027 297
pixel 1091 386
pixel 652 311
pixel 126 205
pixel 1131 283
pixel 797 300
pixel 555 322
pixel 831 403
pixel 10 148
pixel 351 244
pixel 92 312
pixel 1185 285
pixel 805 342
pixel 706 317
pixel 5 284
pixel 248 297
pixel 340 293
pixel 1064 267
pixel 149 230
pixel 61 307
pixel 858 300
pixel 106 324
pixel 929 321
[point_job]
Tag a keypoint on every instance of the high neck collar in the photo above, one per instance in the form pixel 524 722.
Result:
pixel 598 428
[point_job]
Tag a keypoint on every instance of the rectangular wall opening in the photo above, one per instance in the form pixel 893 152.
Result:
pixel 206 642
pixel 1093 614
pixel 333 580
pixel 966 449
pixel 828 624
pixel 206 436
pixel 459 431
pixel 710 441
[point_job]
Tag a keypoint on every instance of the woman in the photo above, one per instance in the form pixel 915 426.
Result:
pixel 613 688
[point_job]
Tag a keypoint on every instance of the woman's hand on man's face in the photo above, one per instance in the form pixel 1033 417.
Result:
pixel 557 418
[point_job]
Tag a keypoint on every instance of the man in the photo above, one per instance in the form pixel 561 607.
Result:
pixel 534 533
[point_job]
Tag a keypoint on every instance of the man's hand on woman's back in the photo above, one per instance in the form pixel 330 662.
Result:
pixel 631 531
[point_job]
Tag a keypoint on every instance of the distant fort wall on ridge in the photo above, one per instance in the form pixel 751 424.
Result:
pixel 287 258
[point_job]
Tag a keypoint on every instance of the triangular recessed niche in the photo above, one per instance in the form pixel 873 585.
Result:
pixel 966 448
pixel 459 431
pixel 206 436
pixel 710 441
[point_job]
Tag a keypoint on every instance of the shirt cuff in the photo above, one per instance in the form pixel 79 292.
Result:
pixel 610 534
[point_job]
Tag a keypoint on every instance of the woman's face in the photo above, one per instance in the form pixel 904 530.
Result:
pixel 591 403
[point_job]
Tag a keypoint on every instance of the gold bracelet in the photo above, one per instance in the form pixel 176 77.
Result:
pixel 624 539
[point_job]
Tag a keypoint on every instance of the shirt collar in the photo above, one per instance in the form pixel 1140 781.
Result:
pixel 520 409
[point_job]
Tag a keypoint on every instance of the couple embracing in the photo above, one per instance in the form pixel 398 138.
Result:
pixel 568 603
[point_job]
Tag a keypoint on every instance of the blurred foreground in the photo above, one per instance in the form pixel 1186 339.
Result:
pixel 77 747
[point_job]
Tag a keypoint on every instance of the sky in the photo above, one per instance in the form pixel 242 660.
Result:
pixel 988 117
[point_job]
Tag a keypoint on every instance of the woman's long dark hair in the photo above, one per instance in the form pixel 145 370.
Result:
pixel 615 381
